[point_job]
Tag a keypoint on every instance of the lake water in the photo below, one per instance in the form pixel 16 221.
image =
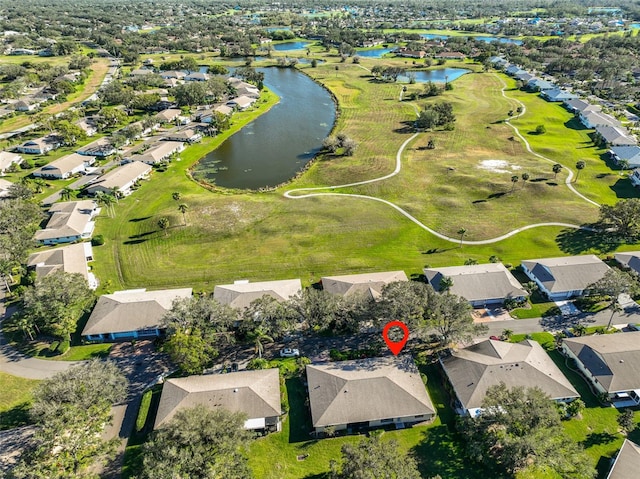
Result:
pixel 487 39
pixel 278 144
pixel 440 75
pixel 286 46
pixel 374 53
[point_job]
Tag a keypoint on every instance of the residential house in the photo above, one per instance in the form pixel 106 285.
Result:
pixel 241 102
pixel 498 62
pixel 635 177
pixel 70 221
pixel 40 146
pixel 367 393
pixel 629 259
pixel 248 90
pixel 88 125
pixel 610 362
pixel 264 40
pixel 524 77
pixel 186 136
pixel 65 167
pixel 197 76
pixel 406 53
pixel 558 94
pixel 538 84
pixel 7 159
pixel 224 109
pixel 173 75
pixel 473 370
pixel 592 119
pixel 256 394
pixel 370 284
pixel 70 259
pixel 576 105
pixel 451 55
pixel 26 104
pixel 131 314
pixel 240 294
pixel 514 70
pixel 614 136
pixel 480 284
pixel 140 72
pixel 627 154
pixel 159 152
pixel 627 462
pixel 100 148
pixel 4 188
pixel 121 179
pixel 168 115
pixel 565 277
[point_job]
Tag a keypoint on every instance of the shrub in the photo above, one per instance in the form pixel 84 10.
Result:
pixel 97 240
pixel 53 346
pixel 258 363
pixel 64 346
pixel 540 129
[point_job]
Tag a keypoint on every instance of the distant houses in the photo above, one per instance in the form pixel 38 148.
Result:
pixel 565 277
pixel 366 393
pixel 480 284
pixel 131 314
pixel 70 221
pixel 253 393
pixel 471 371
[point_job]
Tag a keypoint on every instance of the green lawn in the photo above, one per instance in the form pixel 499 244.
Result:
pixel 15 398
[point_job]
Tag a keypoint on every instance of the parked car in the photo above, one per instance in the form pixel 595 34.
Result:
pixel 289 353
pixel 495 338
pixel 634 326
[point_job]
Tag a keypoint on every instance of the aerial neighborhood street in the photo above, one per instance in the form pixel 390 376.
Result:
pixel 317 241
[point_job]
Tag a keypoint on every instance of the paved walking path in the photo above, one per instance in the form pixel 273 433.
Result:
pixel 299 193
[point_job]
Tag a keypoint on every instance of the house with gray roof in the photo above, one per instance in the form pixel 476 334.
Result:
pixel 538 84
pixel 254 393
pixel 614 136
pixel 629 259
pixel 370 284
pixel 131 314
pixel 71 259
pixel 367 393
pixel 565 277
pixel 558 94
pixel 628 154
pixel 576 105
pixel 40 146
pixel 591 119
pixel 611 362
pixel 70 221
pixel 157 152
pixel 473 370
pixel 627 462
pixel 101 148
pixel 65 166
pixel 240 294
pixel 480 284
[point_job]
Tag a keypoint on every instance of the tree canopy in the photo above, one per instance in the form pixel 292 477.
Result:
pixel 622 219
pixel 199 443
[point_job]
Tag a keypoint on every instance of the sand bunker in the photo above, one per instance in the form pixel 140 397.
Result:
pixel 498 166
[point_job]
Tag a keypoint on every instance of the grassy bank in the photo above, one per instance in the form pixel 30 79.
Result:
pixel 15 398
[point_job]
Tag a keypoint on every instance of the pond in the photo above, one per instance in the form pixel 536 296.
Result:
pixel 483 38
pixel 286 46
pixel 440 75
pixel 278 144
pixel 373 53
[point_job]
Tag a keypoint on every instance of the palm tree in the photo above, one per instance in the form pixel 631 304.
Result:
pixel 258 337
pixel 624 164
pixel 579 166
pixel 65 194
pixel 525 177
pixel 27 326
pixel 579 330
pixel 38 185
pixel 506 334
pixel 514 181
pixel 163 223
pixel 462 232
pixel 615 308
pixel 115 192
pixel 183 209
pixel 556 169
pixel 176 196
pixel 107 201
pixel 445 283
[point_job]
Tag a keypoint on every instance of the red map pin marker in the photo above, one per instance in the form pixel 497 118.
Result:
pixel 395 347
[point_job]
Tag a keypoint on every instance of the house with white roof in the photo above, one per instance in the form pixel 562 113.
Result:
pixel 471 371
pixel 121 179
pixel 70 259
pixel 131 314
pixel 70 221
pixel 4 188
pixel 65 166
pixel 7 159
pixel 367 393
pixel 197 76
pixel 241 293
pixel 40 146
pixel 168 115
pixel 558 94
pixel 157 153
pixel 241 102
pixel 256 394
pixel 100 148
pixel 370 284
pixel 480 284
pixel 565 277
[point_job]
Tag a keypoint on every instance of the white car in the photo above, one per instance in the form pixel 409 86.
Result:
pixel 289 353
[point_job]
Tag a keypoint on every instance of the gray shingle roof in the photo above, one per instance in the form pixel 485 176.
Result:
pixel 570 273
pixel 131 310
pixel 478 282
pixel 255 393
pixel 475 369
pixel 70 259
pixel 240 294
pixel 627 463
pixel 630 259
pixel 369 283
pixel 366 390
pixel 70 218
pixel 613 359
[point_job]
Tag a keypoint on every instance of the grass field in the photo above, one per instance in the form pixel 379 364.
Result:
pixel 15 397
